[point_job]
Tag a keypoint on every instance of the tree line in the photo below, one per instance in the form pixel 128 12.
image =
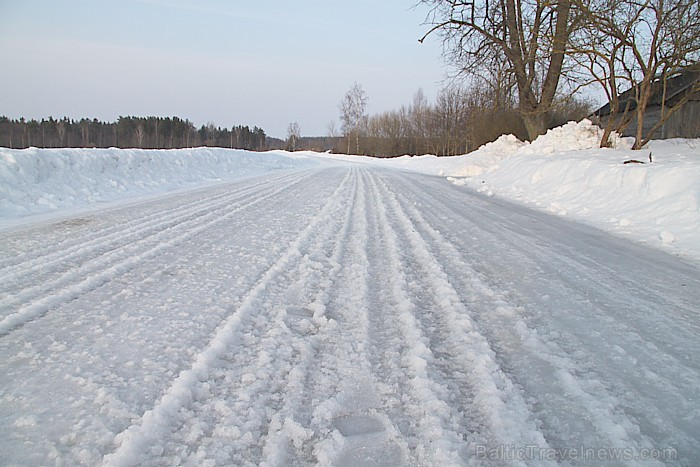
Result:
pixel 126 132
pixel 459 121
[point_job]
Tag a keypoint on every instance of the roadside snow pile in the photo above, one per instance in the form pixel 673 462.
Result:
pixel 565 173
pixel 573 136
pixel 471 165
pixel 36 181
pixel 488 156
pixel 570 137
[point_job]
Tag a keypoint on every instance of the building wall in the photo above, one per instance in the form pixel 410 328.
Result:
pixel 684 123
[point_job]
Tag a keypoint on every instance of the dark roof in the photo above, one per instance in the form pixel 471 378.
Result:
pixel 677 85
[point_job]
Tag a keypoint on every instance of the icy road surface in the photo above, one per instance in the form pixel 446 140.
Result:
pixel 342 315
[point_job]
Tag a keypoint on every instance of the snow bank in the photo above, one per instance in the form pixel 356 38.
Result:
pixel 657 203
pixel 573 136
pixel 565 172
pixel 35 181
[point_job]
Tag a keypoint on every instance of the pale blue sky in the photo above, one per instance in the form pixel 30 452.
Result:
pixel 264 63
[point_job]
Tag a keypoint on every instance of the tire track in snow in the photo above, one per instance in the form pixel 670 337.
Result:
pixel 342 407
pixel 135 442
pixel 102 269
pixel 401 352
pixel 497 318
pixel 494 409
pixel 280 350
pixel 104 240
pixel 59 261
pixel 293 433
pixel 594 414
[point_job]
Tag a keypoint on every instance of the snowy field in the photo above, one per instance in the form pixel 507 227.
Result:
pixel 217 307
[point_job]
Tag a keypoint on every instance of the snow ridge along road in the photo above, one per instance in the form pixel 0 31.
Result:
pixel 343 315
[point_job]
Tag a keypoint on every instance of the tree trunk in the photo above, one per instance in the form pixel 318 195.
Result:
pixel 607 131
pixel 645 94
pixel 536 124
pixel 639 134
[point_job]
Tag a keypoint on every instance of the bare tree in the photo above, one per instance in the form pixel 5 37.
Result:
pixel 529 36
pixel 61 129
pixel 331 129
pixel 352 114
pixel 597 48
pixel 293 135
pixel 419 115
pixel 211 131
pixel 140 134
pixel 391 134
pixel 640 45
pixel 450 117
pixel 85 132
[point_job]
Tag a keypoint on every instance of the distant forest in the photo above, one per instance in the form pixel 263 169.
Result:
pixel 126 132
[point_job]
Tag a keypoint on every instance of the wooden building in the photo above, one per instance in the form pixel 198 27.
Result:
pixel 683 123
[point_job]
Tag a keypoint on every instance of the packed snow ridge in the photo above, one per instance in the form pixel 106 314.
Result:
pixel 655 200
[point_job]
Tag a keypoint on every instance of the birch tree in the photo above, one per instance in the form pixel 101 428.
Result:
pixel 293 135
pixel 352 114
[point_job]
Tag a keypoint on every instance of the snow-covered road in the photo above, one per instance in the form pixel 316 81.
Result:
pixel 342 315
